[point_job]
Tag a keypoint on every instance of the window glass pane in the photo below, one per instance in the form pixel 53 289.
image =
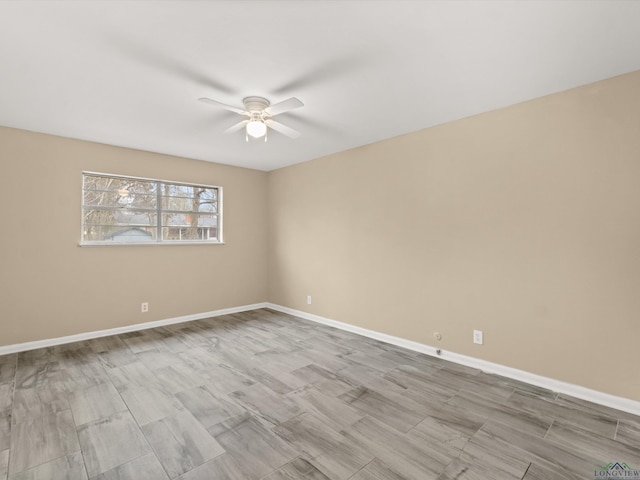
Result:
pixel 208 194
pixel 119 185
pixel 209 206
pixel 181 204
pixel 183 191
pixel 117 234
pixel 188 205
pixel 189 199
pixel 189 220
pixel 118 200
pixel 178 226
pixel 124 217
pixel 189 233
pixel 118 192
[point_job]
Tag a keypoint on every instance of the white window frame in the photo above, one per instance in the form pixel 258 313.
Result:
pixel 159 211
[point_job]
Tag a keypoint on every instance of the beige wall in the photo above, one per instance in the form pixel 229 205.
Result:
pixel 51 287
pixel 523 223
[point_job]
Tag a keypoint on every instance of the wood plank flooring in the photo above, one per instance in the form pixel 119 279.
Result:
pixel 264 395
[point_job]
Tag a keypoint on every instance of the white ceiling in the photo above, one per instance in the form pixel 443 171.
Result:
pixel 129 73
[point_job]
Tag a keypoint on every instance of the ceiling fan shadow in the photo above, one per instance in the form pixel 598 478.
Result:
pixel 323 72
pixel 152 57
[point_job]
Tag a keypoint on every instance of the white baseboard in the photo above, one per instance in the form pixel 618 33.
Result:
pixel 21 347
pixel 558 386
pixel 577 391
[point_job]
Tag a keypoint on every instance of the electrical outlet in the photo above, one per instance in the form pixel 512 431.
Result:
pixel 144 307
pixel 308 299
pixel 478 337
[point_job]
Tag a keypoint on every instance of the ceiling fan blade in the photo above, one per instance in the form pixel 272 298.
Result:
pixel 223 105
pixel 278 127
pixel 236 127
pixel 283 106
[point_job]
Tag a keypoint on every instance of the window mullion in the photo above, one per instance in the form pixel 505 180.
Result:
pixel 159 211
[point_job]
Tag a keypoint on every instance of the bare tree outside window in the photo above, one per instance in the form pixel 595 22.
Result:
pixel 118 210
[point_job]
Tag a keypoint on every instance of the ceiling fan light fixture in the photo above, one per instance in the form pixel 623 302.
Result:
pixel 256 128
pixel 259 111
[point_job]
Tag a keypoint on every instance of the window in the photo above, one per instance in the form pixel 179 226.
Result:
pixel 126 210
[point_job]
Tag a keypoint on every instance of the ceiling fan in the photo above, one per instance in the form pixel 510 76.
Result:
pixel 260 112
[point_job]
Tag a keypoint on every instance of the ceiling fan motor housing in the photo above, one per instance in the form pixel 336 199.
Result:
pixel 255 104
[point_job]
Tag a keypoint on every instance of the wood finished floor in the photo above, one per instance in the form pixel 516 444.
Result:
pixel 263 395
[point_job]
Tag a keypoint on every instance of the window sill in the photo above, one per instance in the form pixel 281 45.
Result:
pixel 144 244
